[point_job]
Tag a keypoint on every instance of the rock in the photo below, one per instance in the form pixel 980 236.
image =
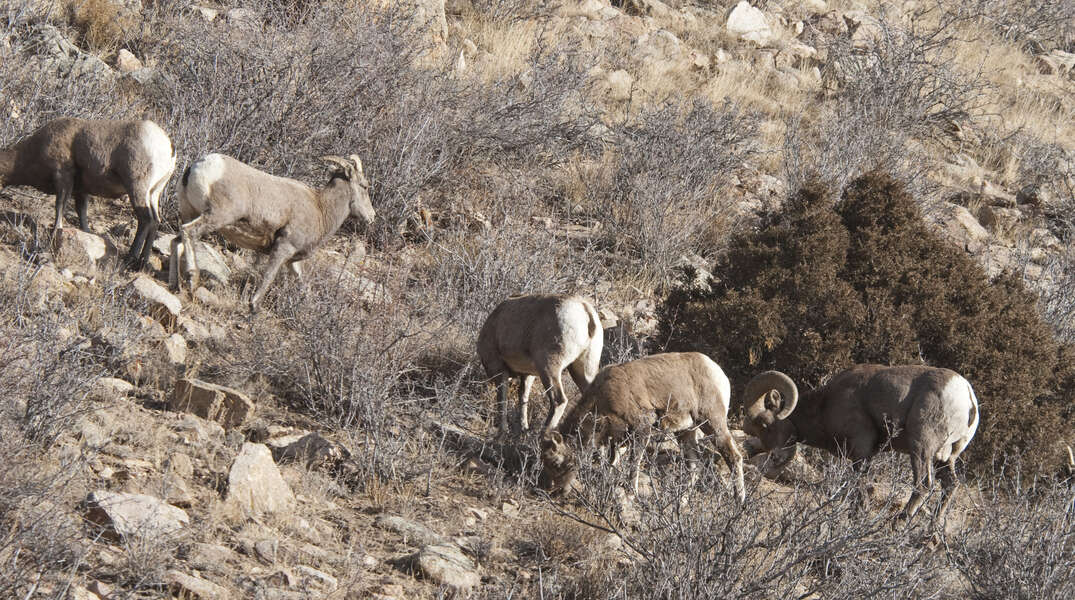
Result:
pixel 219 403
pixel 190 587
pixel 205 296
pixel 816 7
pixel 193 330
pixel 175 347
pixel 313 579
pixel 1004 223
pixel 164 306
pixel 786 466
pixel 608 318
pixel 413 533
pixel 243 18
pixel 266 550
pixel 1056 62
pixel 80 251
pixel 127 62
pixel 447 565
pixel 211 263
pixel 865 30
pixel 211 557
pixel 204 11
pixel 618 85
pixel 64 59
pixel 1034 195
pixel 429 14
pixel 47 286
pixel 134 515
pixel 963 228
pixel 748 24
pixel 313 449
pixel 204 432
pixel 255 485
pixel 113 387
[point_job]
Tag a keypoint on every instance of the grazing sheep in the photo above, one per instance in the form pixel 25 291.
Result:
pixel 930 414
pixel 281 217
pixel 540 335
pixel 680 392
pixel 78 157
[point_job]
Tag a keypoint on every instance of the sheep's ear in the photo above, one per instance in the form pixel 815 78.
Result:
pixel 772 400
pixel 358 162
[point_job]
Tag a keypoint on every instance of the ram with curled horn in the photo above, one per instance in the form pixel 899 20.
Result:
pixel 927 413
pixel 281 217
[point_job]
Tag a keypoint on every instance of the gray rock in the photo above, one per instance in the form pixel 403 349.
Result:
pixel 175 348
pixel 190 587
pixel 134 515
pixel 748 24
pixel 164 306
pixel 313 579
pixel 211 263
pixel 81 251
pixel 219 403
pixel 413 533
pixel 266 550
pixel 312 449
pixel 114 387
pixel 255 486
pixel 213 558
pixel 447 565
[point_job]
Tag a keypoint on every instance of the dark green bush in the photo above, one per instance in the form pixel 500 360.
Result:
pixel 823 284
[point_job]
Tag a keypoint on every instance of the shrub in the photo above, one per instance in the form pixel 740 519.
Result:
pixel 822 285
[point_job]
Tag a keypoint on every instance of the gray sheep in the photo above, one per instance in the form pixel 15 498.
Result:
pixel 77 158
pixel 930 414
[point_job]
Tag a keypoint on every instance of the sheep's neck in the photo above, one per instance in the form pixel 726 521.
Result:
pixel 809 426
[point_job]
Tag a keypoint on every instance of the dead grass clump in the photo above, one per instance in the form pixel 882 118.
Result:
pixel 103 24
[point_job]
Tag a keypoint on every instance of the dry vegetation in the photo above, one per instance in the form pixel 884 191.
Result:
pixel 531 169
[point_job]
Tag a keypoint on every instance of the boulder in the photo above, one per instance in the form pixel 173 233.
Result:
pixel 447 565
pixel 211 557
pixel 189 587
pixel 963 228
pixel 255 486
pixel 748 24
pixel 219 403
pixel 413 533
pixel 1002 222
pixel 114 387
pixel 1056 62
pixel 315 580
pixel 134 515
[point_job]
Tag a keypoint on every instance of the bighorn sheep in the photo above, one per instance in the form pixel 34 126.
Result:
pixel 540 335
pixel 930 414
pixel 678 391
pixel 252 209
pixel 79 157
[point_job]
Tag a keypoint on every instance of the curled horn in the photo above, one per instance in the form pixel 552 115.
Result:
pixel 760 388
pixel 344 164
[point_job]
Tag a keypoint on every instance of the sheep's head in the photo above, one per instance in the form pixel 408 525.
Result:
pixel 350 170
pixel 557 462
pixel 769 399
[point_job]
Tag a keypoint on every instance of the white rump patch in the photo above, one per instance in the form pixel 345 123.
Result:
pixel 205 171
pixel 158 147
pixel 721 380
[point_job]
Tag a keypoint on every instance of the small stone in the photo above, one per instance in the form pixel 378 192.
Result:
pixel 211 557
pixel 164 306
pixel 80 251
pixel 114 387
pixel 447 565
pixel 266 550
pixel 316 580
pixel 176 349
pixel 127 62
pixel 413 533
pixel 510 508
pixel 748 24
pixel 190 587
pixel 205 296
pixel 312 449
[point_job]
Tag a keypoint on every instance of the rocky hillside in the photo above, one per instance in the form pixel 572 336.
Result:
pixel 339 443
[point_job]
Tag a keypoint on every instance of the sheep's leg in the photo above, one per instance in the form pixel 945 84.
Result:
pixel 946 473
pixel 525 383
pixel 82 204
pixel 922 471
pixel 190 233
pixel 137 255
pixel 173 262
pixel 282 252
pixel 554 389
pixel 582 373
pixel 729 451
pixel 65 183
pixel 688 447
pixel 502 381
pixel 638 452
